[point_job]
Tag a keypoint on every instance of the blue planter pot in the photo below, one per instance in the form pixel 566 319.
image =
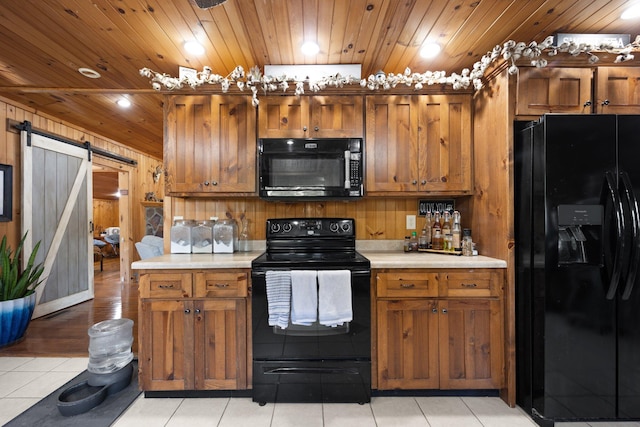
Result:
pixel 14 318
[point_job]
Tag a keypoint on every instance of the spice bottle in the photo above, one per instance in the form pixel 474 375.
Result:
pixel 413 242
pixel 407 245
pixel 467 243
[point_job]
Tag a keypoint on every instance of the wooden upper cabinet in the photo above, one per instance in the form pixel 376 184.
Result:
pixel 419 144
pixel 444 135
pixel 617 90
pixel 311 117
pixel 392 143
pixel 210 144
pixel 554 90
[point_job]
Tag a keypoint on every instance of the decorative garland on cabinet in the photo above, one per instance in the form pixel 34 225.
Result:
pixel 511 51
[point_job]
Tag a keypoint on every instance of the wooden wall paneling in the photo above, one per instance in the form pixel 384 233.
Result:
pixel 105 214
pixel 492 220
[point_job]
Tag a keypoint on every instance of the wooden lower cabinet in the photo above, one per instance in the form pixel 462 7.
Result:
pixel 193 343
pixel 438 343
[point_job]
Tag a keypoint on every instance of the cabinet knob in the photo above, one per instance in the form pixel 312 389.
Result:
pixel 197 311
pixel 434 310
pixel 444 311
pixel 423 182
pixel 186 310
pixel 414 182
pixel 206 183
pixel 316 128
pixel 214 182
pixel 304 128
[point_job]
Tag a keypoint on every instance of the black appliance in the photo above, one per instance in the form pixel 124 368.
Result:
pixel 312 363
pixel 310 169
pixel 577 255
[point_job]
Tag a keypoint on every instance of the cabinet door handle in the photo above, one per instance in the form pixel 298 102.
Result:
pixel 165 286
pixel 469 285
pixel 414 182
pixel 186 310
pixel 316 128
pixel 423 182
pixel 214 182
pixel 407 285
pixel 444 311
pixel 206 183
pixel 197 311
pixel 221 285
pixel 434 310
pixel 304 128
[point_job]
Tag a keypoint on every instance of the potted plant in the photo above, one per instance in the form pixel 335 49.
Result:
pixel 17 291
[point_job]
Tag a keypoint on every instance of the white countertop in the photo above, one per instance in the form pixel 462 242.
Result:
pixel 379 259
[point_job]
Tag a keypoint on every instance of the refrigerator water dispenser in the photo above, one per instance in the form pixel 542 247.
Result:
pixel 580 234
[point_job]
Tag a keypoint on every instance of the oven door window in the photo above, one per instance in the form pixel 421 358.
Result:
pixel 319 171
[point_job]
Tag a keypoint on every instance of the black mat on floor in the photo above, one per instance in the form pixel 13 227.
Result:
pixel 45 413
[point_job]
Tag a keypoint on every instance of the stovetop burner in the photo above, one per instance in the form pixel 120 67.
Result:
pixel 310 242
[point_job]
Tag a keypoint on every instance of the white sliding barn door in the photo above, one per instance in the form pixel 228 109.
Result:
pixel 57 210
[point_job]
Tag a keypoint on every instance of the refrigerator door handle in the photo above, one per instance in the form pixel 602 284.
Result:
pixel 634 260
pixel 612 194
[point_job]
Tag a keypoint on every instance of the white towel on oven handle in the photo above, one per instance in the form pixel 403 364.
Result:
pixel 278 285
pixel 304 297
pixel 334 297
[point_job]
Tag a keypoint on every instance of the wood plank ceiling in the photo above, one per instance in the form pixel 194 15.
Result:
pixel 44 43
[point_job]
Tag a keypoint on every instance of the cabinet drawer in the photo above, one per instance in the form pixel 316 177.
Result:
pixel 165 285
pixel 470 284
pixel 228 284
pixel 406 285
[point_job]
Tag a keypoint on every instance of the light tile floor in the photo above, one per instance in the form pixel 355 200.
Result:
pixel 24 381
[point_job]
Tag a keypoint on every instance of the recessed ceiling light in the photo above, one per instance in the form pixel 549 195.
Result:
pixel 631 13
pixel 194 48
pixel 124 102
pixel 310 48
pixel 430 50
pixel 88 72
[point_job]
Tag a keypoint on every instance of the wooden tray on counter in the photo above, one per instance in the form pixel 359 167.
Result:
pixel 437 251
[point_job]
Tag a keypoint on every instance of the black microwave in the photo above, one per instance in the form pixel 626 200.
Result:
pixel 310 168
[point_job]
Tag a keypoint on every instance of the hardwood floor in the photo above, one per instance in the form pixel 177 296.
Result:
pixel 64 333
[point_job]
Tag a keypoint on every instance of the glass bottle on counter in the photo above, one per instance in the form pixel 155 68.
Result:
pixel 422 241
pixel 407 244
pixel 427 230
pixel 436 226
pixel 446 223
pixel 436 242
pixel 456 232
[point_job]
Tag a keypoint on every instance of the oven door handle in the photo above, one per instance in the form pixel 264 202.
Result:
pixel 347 170
pixel 260 274
pixel 290 370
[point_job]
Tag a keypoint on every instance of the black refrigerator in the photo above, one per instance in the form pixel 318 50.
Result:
pixel 577 235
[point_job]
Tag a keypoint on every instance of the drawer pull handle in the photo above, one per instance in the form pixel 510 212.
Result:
pixel 469 285
pixel 407 285
pixel 221 285
pixel 165 286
